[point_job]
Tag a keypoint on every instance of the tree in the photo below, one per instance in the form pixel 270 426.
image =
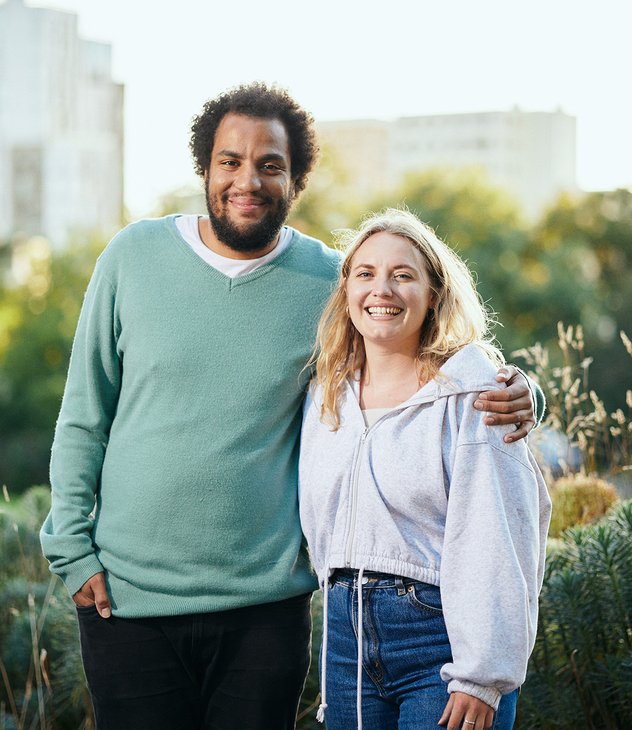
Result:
pixel 321 210
pixel 40 299
pixel 586 243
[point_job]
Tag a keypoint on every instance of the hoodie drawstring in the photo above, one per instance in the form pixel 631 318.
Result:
pixel 320 715
pixel 360 632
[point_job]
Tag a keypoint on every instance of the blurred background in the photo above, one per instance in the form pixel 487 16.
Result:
pixel 506 127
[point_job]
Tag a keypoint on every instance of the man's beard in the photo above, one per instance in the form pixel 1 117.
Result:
pixel 254 238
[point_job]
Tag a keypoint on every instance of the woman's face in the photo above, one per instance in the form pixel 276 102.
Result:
pixel 388 292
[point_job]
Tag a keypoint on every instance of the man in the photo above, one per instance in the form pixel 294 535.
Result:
pixel 173 471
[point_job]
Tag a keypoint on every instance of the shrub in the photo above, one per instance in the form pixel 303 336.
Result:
pixel 310 699
pixel 580 672
pixel 579 499
pixel 41 677
pixel 600 441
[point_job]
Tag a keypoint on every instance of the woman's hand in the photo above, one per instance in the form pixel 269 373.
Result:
pixel 513 404
pixel 464 712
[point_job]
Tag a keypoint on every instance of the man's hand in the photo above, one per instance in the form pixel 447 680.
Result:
pixel 93 593
pixel 514 404
pixel 464 712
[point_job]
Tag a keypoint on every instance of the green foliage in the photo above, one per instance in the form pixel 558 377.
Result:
pixel 578 500
pixel 20 521
pixel 599 440
pixel 40 299
pixel 585 243
pixel 306 718
pixel 320 209
pixel 41 677
pixel 580 673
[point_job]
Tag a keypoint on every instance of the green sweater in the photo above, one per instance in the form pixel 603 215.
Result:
pixel 174 464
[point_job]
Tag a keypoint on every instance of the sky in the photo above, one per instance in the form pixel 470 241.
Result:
pixel 354 59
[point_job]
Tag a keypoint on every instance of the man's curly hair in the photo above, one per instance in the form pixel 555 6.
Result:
pixel 258 100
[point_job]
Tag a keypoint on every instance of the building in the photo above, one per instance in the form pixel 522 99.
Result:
pixel 530 154
pixel 61 128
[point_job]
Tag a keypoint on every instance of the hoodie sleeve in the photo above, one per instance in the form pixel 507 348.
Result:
pixel 81 436
pixel 492 561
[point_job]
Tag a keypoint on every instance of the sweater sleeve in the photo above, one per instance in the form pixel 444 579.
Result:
pixel 492 566
pixel 81 436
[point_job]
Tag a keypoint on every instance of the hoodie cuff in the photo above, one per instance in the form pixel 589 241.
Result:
pixel 489 695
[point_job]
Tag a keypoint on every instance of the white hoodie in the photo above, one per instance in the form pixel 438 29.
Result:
pixel 431 493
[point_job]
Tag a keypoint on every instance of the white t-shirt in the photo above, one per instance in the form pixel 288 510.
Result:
pixel 373 415
pixel 188 227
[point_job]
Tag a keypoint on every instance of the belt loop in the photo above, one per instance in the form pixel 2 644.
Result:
pixel 399 584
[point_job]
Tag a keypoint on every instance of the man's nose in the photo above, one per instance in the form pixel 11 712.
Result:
pixel 248 178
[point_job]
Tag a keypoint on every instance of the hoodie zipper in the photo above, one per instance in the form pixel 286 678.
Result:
pixel 354 486
pixel 354 498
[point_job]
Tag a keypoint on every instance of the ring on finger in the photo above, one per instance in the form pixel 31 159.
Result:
pixel 470 722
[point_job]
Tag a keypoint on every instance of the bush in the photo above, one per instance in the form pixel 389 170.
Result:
pixel 578 500
pixel 41 677
pixel 310 699
pixel 580 672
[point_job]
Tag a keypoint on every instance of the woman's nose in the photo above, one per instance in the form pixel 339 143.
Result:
pixel 382 286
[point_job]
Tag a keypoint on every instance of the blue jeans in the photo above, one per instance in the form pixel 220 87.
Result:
pixel 404 644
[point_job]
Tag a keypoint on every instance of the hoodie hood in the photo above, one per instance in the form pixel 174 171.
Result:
pixel 470 370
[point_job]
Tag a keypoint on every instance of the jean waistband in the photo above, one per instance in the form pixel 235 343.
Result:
pixel 350 575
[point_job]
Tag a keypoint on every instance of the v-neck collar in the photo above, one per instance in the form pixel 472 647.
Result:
pixel 227 281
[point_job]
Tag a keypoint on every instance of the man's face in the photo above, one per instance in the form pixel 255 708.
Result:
pixel 248 182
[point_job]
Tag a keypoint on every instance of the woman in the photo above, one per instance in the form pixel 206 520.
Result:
pixel 427 530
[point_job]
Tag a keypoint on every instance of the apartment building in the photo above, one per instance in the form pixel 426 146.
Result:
pixel 532 155
pixel 61 128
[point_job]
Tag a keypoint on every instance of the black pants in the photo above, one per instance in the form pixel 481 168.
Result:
pixel 233 670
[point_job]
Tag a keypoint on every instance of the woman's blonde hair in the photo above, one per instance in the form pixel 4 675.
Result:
pixel 456 318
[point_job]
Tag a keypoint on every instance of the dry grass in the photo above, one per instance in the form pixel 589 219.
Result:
pixel 598 442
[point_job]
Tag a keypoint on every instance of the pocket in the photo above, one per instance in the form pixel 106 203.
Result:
pixel 86 609
pixel 425 597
